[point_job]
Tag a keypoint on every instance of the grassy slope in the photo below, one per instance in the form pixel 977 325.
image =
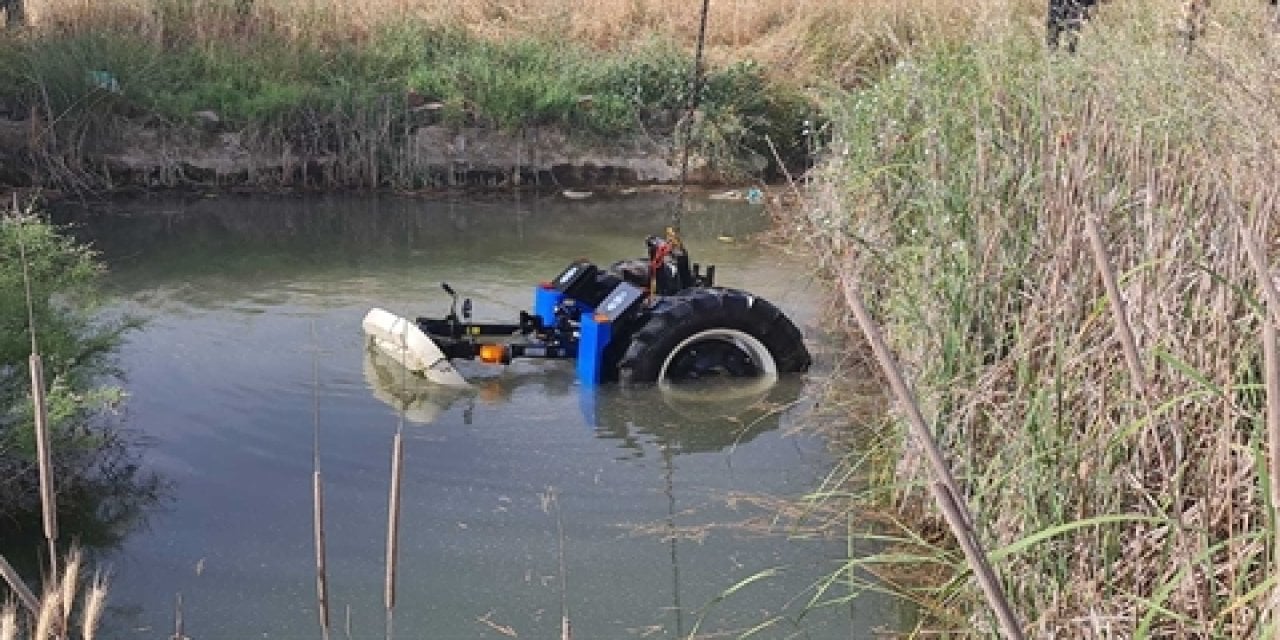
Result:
pixel 328 78
pixel 325 78
pixel 1126 500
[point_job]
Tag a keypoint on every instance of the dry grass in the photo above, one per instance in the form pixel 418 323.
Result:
pixel 54 618
pixel 813 41
pixel 1124 494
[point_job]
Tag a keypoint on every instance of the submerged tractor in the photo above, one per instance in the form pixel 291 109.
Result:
pixel 656 319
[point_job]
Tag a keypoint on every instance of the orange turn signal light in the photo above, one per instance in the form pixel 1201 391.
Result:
pixel 600 318
pixel 493 353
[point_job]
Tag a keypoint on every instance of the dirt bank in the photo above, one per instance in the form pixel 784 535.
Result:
pixel 431 156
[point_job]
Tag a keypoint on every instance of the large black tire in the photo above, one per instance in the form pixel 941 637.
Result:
pixel 710 332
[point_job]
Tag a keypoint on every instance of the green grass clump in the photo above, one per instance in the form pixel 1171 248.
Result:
pixel 1120 498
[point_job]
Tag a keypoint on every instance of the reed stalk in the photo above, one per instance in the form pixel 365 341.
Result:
pixel 322 588
pixel 48 499
pixel 393 522
pixel 393 503
pixel 19 588
pixel 179 624
pixel 8 621
pixel 68 586
pixel 944 488
pixel 317 496
pixel 1271 380
pixel 551 501
pixel 981 191
pixel 47 620
pixel 1124 330
pixel 50 617
pixel 1271 360
pixel 94 607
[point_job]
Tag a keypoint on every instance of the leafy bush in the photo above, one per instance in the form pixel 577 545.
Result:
pixel 76 349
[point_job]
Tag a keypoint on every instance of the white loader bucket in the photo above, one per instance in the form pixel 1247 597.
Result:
pixel 405 343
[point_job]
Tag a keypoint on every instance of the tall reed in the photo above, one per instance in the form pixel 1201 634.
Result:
pixel 1048 242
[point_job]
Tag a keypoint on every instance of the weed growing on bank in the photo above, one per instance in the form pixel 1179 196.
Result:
pixel 345 85
pixel 979 193
pixel 358 102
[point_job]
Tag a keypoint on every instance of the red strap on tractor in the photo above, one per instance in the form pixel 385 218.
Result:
pixel 660 254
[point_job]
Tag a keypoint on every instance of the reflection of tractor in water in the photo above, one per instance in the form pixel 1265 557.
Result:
pixel 660 319
pixel 679 419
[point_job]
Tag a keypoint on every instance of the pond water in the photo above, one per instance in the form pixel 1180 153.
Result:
pixel 251 357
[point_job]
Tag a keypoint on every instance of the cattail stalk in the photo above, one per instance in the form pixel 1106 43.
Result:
pixel 94 604
pixel 48 618
pixel 9 622
pixel 48 499
pixel 944 489
pixel 1124 330
pixel 25 596
pixel 317 496
pixel 70 581
pixel 322 584
pixel 1271 365
pixel 566 628
pixel 179 630
pixel 1271 380
pixel 393 521
pixel 393 510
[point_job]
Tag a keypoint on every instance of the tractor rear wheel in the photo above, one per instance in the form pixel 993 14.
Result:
pixel 713 332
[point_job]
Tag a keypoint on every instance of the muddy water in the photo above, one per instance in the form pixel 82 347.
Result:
pixel 251 354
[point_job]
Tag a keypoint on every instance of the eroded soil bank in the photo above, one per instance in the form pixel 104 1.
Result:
pixel 429 157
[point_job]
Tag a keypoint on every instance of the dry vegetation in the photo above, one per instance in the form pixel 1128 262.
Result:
pixel 980 193
pixel 810 41
pixel 68 608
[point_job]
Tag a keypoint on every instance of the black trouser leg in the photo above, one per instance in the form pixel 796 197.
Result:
pixel 1064 20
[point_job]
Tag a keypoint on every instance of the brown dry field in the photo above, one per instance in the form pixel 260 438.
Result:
pixel 808 41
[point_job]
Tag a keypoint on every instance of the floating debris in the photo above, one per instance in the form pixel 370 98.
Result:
pixel 104 80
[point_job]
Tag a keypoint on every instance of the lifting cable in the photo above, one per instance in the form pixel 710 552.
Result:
pixel 695 89
pixel 672 242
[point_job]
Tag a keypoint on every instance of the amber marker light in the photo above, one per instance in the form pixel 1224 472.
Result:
pixel 493 353
pixel 600 318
